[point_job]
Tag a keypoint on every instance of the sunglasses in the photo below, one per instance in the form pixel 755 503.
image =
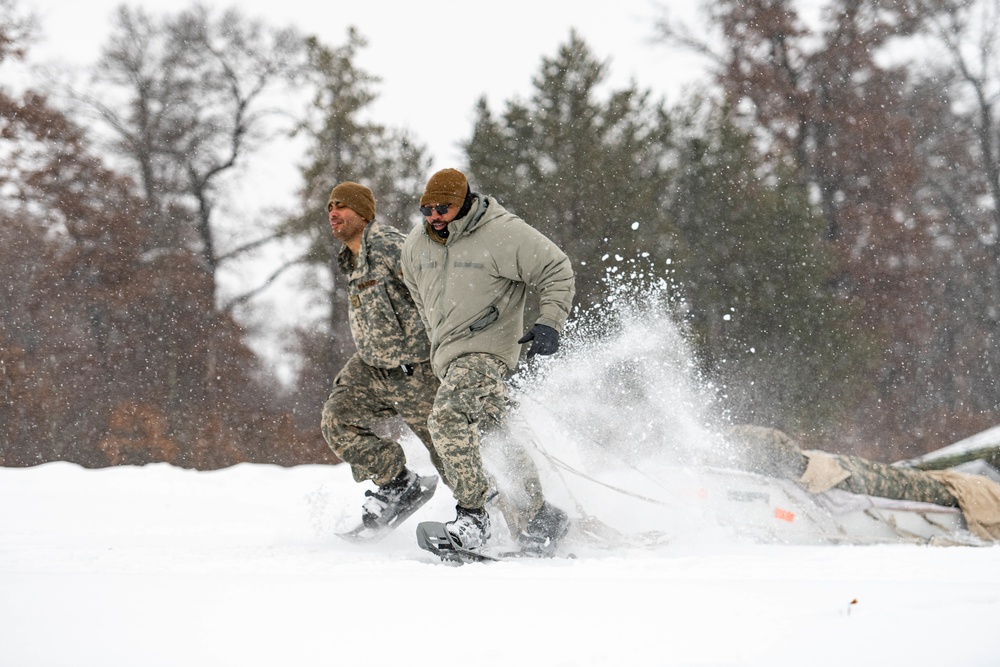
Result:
pixel 441 209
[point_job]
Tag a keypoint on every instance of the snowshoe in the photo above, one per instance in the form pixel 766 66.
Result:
pixel 391 504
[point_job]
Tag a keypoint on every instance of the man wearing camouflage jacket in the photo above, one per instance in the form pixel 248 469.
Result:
pixel 390 373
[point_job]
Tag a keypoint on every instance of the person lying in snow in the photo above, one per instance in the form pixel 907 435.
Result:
pixel 776 454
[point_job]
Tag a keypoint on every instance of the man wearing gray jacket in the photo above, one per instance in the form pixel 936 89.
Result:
pixel 468 268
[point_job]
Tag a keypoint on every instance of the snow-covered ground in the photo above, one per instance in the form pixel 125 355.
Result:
pixel 160 566
pixel 163 566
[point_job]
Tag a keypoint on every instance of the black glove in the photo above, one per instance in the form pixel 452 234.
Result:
pixel 546 340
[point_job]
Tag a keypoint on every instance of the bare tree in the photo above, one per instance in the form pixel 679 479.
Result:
pixel 189 98
pixel 344 146
pixel 970 34
pixel 827 99
pixel 954 105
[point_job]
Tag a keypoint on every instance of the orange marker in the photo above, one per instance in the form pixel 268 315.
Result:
pixel 784 515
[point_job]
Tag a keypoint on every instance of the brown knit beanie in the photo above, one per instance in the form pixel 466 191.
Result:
pixel 356 197
pixel 448 186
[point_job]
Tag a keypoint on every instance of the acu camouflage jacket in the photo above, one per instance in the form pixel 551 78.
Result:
pixel 385 324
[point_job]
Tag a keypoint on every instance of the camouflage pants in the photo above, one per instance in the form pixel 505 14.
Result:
pixel 771 452
pixel 513 472
pixel 472 400
pixel 885 481
pixel 364 395
pixel 768 451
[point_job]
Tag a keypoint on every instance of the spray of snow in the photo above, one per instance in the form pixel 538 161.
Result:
pixel 621 400
pixel 626 381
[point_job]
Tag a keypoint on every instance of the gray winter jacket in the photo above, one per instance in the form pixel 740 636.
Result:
pixel 470 290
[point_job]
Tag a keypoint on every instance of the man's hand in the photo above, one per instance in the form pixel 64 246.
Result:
pixel 545 340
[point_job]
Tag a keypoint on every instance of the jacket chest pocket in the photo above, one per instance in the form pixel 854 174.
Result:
pixel 488 318
pixel 358 292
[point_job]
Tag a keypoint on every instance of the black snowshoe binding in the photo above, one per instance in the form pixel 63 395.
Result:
pixel 463 540
pixel 544 532
pixel 390 503
pixel 470 529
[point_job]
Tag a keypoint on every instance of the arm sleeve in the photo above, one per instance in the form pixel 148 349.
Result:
pixel 406 267
pixel 535 260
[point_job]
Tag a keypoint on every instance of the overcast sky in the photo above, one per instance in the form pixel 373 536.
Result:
pixel 435 57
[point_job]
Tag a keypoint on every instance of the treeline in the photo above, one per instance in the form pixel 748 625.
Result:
pixel 827 210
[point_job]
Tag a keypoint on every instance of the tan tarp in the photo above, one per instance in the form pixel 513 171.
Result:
pixel 979 499
pixel 822 473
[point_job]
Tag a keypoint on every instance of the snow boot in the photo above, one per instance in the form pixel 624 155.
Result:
pixel 395 498
pixel 544 532
pixel 470 529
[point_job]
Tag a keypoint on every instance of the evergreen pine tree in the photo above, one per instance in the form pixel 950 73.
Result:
pixel 589 171
pixel 755 276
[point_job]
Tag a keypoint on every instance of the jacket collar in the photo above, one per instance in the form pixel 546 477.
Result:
pixel 346 260
pixel 467 224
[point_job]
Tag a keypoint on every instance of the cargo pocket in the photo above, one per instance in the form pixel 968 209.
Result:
pixel 487 319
